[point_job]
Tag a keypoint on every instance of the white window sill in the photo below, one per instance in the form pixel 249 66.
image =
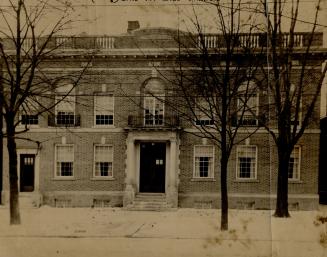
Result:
pixel 295 181
pixel 203 179
pixel 247 180
pixel 102 126
pixel 63 178
pixel 102 178
pixel 28 126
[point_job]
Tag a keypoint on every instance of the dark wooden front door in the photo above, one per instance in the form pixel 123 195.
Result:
pixel 152 167
pixel 27 172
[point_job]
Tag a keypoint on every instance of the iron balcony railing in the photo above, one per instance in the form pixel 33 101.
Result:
pixel 136 121
pixel 64 120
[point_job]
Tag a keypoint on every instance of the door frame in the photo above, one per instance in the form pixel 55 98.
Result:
pixel 36 168
pixel 138 162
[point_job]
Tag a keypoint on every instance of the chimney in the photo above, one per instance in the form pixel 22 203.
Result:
pixel 133 25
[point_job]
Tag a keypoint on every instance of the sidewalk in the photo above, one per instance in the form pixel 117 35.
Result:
pixel 185 232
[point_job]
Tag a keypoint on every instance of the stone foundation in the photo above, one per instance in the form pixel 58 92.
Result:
pixel 83 199
pixel 247 201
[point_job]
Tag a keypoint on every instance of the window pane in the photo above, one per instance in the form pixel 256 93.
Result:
pixel 103 153
pixel 65 153
pixel 153 110
pixel 104 104
pixel 65 168
pixel 294 164
pixel 103 169
pixel 65 104
pixel 28 119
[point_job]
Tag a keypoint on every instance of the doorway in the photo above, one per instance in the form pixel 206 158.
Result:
pixel 27 172
pixel 152 167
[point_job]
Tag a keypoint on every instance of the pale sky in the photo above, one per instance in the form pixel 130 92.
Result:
pixel 105 17
pixel 110 17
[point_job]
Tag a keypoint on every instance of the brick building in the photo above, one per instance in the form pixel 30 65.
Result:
pixel 108 145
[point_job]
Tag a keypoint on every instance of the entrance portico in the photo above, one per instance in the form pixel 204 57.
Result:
pixel 152 165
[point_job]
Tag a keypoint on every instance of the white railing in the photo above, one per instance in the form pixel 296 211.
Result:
pixel 298 40
pixel 105 42
pixel 249 40
pixel 27 44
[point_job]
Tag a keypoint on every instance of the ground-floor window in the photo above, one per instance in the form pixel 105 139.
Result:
pixel 103 156
pixel 64 160
pixel 203 161
pixel 294 164
pixel 246 162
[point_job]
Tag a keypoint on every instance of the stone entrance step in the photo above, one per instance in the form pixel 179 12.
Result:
pixel 149 202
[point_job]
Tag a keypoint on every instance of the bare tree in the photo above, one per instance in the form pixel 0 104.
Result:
pixel 27 43
pixel 215 84
pixel 294 91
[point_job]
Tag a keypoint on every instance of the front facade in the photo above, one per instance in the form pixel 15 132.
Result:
pixel 112 141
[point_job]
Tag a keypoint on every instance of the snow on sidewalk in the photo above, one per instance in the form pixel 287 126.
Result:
pixel 304 234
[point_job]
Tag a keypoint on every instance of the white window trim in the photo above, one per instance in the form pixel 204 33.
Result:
pixel 299 166
pixel 238 178
pixel 95 113
pixel 211 172
pixel 55 163
pixel 112 164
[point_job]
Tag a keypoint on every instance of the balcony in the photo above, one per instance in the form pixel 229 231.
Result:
pixel 258 40
pixel 163 122
pixel 64 120
pixel 248 121
pixel 166 40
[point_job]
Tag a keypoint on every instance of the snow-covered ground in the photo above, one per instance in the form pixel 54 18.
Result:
pixel 69 232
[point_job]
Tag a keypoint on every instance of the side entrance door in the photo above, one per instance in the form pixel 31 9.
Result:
pixel 152 167
pixel 27 165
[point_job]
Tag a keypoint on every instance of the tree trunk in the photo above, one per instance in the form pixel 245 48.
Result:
pixel 282 184
pixel 224 197
pixel 13 177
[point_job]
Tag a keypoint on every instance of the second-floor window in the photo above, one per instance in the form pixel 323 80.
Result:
pixel 28 112
pixel 247 104
pixel 153 110
pixel 104 109
pixel 65 110
pixel 203 113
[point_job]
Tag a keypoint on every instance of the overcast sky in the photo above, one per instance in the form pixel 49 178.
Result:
pixel 110 17
pixel 105 17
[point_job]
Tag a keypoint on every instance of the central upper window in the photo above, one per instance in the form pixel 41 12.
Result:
pixel 104 109
pixel 153 105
